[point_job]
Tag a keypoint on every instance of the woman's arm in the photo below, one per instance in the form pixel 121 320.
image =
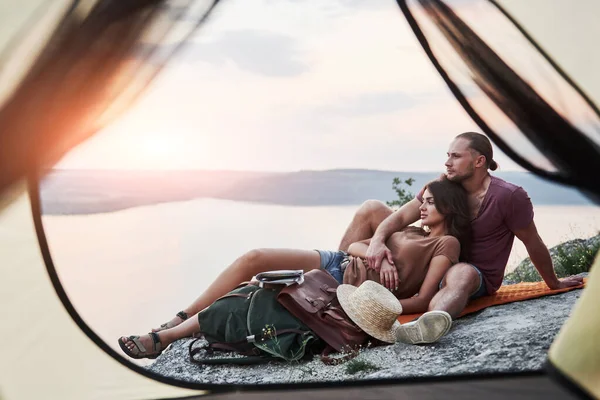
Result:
pixel 359 249
pixel 420 302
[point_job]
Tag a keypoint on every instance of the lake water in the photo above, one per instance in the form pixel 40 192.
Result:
pixel 129 271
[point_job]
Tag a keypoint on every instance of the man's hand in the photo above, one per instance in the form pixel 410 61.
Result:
pixel 569 281
pixel 388 276
pixel 376 252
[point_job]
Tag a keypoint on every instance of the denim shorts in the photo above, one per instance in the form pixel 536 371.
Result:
pixel 331 261
pixel 481 289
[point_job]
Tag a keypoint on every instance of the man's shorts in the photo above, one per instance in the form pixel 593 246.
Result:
pixel 481 289
pixel 331 261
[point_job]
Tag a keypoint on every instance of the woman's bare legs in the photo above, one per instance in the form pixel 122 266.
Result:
pixel 244 268
pixel 364 223
pixel 366 220
pixel 186 329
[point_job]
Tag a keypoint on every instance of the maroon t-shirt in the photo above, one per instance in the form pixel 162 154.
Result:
pixel 505 208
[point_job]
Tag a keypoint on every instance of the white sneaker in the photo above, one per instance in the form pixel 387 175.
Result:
pixel 428 328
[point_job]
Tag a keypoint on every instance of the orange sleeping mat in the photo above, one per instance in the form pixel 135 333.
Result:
pixel 506 294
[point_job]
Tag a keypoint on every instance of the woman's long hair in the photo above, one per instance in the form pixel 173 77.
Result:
pixel 452 202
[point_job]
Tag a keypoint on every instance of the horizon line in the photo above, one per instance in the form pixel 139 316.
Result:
pixel 263 171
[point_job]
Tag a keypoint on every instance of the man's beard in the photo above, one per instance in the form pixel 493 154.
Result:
pixel 461 178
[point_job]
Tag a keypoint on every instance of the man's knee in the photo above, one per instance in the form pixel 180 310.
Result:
pixel 373 210
pixel 460 281
pixel 462 277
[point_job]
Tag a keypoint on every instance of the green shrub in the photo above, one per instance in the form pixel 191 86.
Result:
pixel 575 261
pixel 404 195
pixel 570 258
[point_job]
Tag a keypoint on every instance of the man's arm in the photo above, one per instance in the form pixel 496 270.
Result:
pixel 406 215
pixel 540 257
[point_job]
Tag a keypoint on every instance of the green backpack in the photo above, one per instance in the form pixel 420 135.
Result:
pixel 249 321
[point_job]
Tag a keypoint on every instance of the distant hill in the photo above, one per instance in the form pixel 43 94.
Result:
pixel 95 191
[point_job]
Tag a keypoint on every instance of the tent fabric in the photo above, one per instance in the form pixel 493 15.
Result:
pixel 568 33
pixel 99 56
pixel 501 387
pixel 576 350
pixel 506 294
pixel 68 68
pixel 45 354
pixel 24 32
pixel 518 95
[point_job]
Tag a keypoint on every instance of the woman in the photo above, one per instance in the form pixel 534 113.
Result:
pixel 421 258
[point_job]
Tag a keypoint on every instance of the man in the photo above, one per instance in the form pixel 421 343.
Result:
pixel 499 210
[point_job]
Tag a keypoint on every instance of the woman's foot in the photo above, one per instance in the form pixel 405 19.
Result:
pixel 178 319
pixel 147 346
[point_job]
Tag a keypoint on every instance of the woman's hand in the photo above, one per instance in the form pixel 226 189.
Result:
pixel 388 276
pixel 377 253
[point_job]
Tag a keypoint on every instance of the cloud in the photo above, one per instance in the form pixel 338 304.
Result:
pixel 367 104
pixel 263 53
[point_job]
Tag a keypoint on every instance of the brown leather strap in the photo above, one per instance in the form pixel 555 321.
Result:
pixel 328 289
pixel 318 303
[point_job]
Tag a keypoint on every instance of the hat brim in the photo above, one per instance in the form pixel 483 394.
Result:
pixel 344 293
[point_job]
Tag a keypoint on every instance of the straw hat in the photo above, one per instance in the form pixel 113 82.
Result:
pixel 373 308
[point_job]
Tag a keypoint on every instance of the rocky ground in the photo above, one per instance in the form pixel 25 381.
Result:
pixel 510 337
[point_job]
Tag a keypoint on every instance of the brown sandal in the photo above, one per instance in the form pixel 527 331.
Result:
pixel 139 351
pixel 181 314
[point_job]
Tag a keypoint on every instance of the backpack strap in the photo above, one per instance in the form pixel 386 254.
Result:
pixel 244 347
pixel 258 338
pixel 244 295
pixel 246 360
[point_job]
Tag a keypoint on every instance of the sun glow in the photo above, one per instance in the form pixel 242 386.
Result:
pixel 164 148
pixel 159 146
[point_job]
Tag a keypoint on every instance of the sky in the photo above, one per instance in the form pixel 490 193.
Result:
pixel 276 85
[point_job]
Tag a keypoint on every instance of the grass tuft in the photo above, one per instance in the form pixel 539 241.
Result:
pixel 355 366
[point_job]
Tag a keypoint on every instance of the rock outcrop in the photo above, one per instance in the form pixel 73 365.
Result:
pixel 510 337
pixel 570 257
